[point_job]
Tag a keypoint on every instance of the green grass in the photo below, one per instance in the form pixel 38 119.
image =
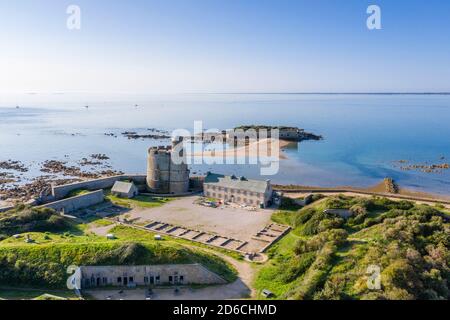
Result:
pixel 268 275
pixel 29 293
pixel 326 257
pixel 124 233
pixel 138 201
pixel 46 264
pixel 77 192
pixel 43 263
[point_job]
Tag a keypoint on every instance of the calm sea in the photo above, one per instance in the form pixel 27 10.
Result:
pixel 364 134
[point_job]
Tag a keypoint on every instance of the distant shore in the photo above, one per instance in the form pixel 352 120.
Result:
pixel 377 190
pixel 261 147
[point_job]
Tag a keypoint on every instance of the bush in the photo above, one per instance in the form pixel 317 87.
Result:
pixel 25 219
pixel 46 265
pixel 296 267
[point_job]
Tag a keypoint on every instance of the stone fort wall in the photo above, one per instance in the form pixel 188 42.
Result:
pixel 176 274
pixel 76 203
pixel 59 192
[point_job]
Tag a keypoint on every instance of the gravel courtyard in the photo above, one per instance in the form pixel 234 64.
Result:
pixel 231 222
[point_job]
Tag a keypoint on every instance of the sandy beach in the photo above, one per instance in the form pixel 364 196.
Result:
pixel 263 148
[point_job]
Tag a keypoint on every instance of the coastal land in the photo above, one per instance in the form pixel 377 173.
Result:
pixel 325 255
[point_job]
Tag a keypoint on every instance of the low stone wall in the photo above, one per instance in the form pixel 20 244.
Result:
pixel 59 192
pixel 76 203
pixel 97 276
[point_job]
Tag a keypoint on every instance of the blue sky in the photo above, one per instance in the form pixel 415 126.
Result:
pixel 164 46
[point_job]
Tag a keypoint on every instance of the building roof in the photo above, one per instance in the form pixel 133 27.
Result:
pixel 123 187
pixel 234 182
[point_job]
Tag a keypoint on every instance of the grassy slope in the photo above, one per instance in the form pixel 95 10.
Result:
pixel 339 269
pixel 27 294
pixel 138 201
pixel 44 263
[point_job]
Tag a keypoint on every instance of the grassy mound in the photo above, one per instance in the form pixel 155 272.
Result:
pixel 328 257
pixel 26 219
pixel 46 265
pixel 59 243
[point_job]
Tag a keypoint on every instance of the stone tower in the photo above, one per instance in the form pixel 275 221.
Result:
pixel 163 175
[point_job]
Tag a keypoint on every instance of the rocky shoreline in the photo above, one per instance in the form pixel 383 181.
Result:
pixel 57 172
pixel 405 165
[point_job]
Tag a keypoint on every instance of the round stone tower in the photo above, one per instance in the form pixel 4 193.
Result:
pixel 163 175
pixel 158 170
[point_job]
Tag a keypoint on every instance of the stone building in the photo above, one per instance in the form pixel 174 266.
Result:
pixel 124 189
pixel 154 275
pixel 239 190
pixel 163 175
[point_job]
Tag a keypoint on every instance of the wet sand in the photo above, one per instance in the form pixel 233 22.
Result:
pixel 264 148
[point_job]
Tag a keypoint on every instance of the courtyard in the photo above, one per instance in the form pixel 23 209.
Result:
pixel 227 227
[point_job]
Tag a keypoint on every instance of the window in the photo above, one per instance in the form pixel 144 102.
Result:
pixel 131 280
pixel 157 279
pixel 181 279
pixel 105 280
pixel 119 279
pixel 170 279
pixel 145 279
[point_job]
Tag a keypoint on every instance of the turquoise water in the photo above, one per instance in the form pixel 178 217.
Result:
pixel 364 134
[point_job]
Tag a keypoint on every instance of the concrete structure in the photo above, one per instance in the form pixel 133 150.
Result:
pixel 125 189
pixel 59 192
pixel 343 213
pixel 154 275
pixel 238 190
pixel 76 203
pixel 164 176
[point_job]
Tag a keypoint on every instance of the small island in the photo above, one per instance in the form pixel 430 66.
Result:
pixel 286 133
